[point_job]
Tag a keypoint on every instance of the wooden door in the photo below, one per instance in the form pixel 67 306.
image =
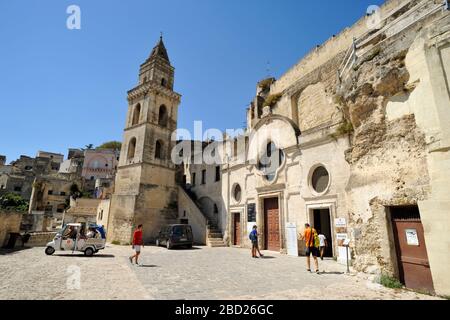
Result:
pixel 412 257
pixel 237 229
pixel 271 224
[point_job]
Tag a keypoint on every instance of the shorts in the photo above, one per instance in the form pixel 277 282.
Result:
pixel 255 244
pixel 312 250
pixel 137 248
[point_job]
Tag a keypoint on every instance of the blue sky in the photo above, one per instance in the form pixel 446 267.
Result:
pixel 63 88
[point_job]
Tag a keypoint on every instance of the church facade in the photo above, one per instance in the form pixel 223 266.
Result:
pixel 353 139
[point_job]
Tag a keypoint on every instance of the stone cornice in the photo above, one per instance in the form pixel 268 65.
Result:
pixel 137 164
pixel 151 86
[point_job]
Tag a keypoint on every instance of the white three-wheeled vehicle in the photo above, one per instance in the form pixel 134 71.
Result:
pixel 73 237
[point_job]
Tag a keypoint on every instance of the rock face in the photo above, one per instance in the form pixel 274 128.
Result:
pixel 388 155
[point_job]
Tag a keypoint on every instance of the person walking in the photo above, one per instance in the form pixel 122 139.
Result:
pixel 309 235
pixel 322 243
pixel 254 238
pixel 137 244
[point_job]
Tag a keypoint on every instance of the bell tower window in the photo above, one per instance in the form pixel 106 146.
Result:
pixel 162 118
pixel 136 115
pixel 131 148
pixel 159 150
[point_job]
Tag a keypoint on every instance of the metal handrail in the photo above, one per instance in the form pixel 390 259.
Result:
pixel 362 41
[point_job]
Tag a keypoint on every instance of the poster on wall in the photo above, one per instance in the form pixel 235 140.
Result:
pixel 340 226
pixel 412 238
pixel 291 239
pixel 251 212
pixel 340 223
pixel 340 238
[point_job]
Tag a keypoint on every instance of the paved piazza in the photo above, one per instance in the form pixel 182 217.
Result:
pixel 200 273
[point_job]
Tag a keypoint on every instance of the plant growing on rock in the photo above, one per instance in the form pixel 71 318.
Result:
pixel 266 83
pixel 390 282
pixel 272 99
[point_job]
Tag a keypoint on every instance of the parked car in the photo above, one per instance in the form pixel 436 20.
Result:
pixel 175 235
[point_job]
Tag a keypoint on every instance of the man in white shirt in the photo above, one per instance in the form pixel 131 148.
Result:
pixel 322 243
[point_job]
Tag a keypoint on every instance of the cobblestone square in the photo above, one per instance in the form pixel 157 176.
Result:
pixel 198 274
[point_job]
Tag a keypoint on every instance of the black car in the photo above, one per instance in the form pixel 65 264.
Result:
pixel 175 235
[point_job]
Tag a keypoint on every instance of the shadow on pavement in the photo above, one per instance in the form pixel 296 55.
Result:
pixel 331 272
pixel 185 248
pixel 267 257
pixel 77 255
pixel 148 266
pixel 4 251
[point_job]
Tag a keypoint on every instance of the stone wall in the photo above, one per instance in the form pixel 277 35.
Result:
pixel 187 209
pixel 332 47
pixel 37 222
pixel 397 100
pixel 9 222
pixel 40 239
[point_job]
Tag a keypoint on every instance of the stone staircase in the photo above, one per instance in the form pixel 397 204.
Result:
pixel 214 237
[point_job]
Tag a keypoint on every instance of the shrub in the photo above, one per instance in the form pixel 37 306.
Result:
pixel 345 128
pixel 116 242
pixel 266 83
pixel 11 201
pixel 114 145
pixel 273 99
pixel 390 282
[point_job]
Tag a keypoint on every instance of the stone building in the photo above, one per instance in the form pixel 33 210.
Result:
pixel 18 177
pixel 99 164
pixel 82 210
pixel 361 123
pixel 2 160
pixel 354 139
pixel 145 188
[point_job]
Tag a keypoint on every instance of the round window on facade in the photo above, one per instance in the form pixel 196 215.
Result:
pixel 320 179
pixel 270 161
pixel 237 193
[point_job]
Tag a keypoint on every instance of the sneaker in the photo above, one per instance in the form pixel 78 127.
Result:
pixel 317 271
pixel 308 270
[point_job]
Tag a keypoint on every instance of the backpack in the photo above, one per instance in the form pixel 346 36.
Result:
pixel 316 239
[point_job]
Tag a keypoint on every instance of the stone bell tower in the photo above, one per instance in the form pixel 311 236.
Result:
pixel 145 190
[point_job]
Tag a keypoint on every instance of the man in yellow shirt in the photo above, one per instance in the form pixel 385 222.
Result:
pixel 308 236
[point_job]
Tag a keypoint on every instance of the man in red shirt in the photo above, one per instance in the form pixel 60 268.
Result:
pixel 137 243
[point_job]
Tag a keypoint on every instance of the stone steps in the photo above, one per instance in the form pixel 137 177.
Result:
pixel 216 242
pixel 215 235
